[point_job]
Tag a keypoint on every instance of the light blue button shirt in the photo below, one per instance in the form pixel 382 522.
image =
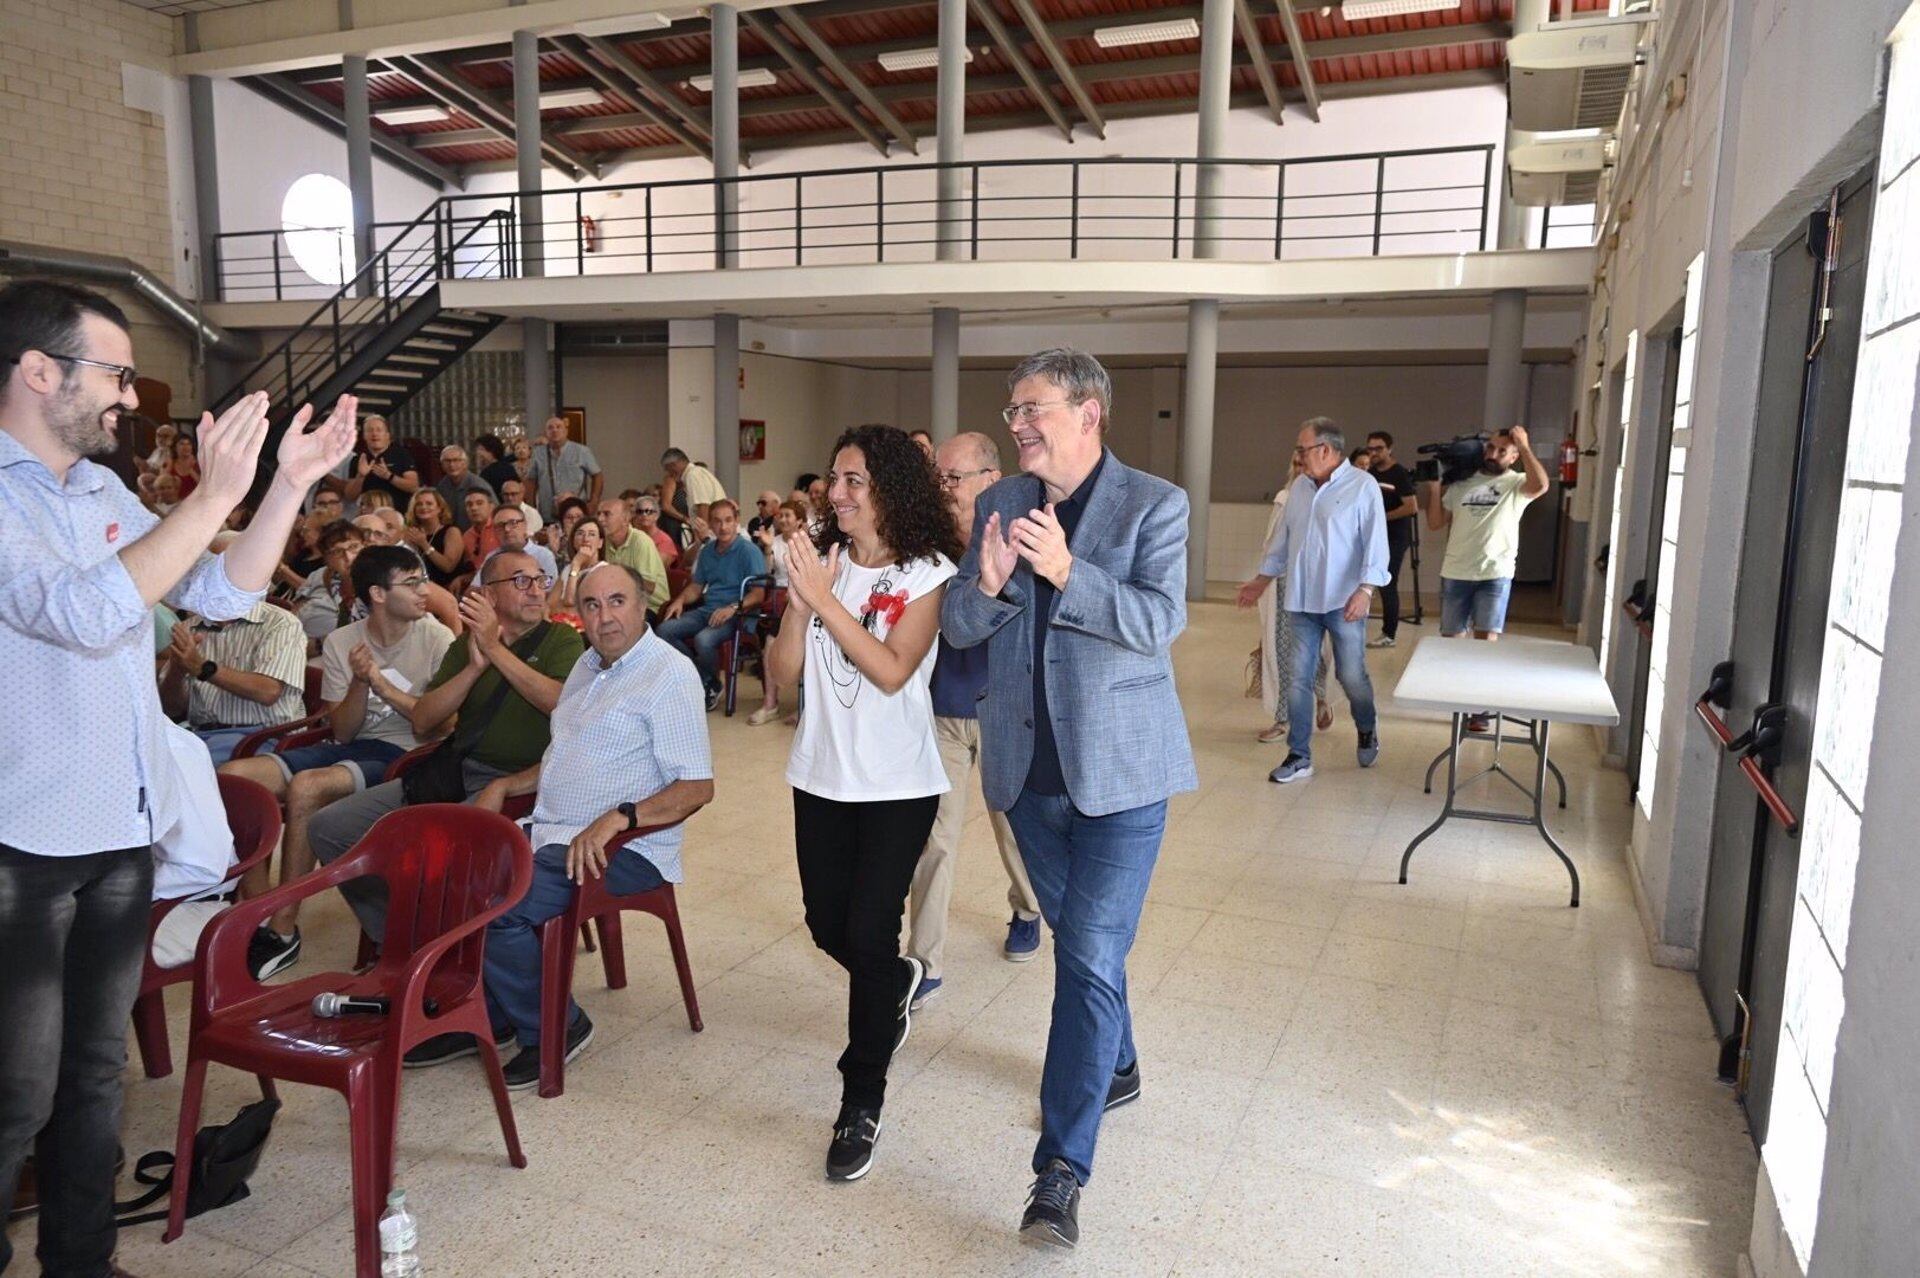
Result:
pixel 1332 539
pixel 622 733
pixel 83 762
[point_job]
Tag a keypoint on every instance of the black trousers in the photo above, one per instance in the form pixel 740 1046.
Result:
pixel 856 864
pixel 1390 593
pixel 73 930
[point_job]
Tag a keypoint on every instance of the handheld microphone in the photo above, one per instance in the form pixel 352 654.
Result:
pixel 331 1005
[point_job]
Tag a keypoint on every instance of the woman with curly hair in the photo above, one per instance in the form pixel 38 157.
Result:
pixel 865 768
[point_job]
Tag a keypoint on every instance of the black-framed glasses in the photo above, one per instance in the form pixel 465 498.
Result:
pixel 955 478
pixel 127 373
pixel 522 581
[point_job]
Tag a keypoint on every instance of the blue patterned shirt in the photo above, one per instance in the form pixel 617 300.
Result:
pixel 84 763
pixel 622 733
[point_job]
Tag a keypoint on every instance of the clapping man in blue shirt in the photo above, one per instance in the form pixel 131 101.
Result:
pixel 85 778
pixel 1332 549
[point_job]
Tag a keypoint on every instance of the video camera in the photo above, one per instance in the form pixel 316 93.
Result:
pixel 1451 461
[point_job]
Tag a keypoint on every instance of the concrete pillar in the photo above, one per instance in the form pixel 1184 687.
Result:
pixel 1512 220
pixel 944 424
pixel 353 77
pixel 537 370
pixel 1196 434
pixel 950 142
pixel 725 26
pixel 1203 314
pixel 1506 350
pixel 726 403
pixel 206 171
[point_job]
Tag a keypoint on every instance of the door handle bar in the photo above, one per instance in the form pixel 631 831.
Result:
pixel 1719 692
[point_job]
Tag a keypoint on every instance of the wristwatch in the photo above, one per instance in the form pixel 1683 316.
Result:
pixel 207 669
pixel 627 810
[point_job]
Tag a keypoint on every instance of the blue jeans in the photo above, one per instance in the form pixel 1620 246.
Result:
pixel 1483 603
pixel 690 633
pixel 1349 666
pixel 1090 877
pixel 221 741
pixel 513 939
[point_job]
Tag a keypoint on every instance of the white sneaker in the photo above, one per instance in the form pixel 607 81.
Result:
pixel 765 714
pixel 1384 641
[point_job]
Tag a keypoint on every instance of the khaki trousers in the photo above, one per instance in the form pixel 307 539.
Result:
pixel 959 741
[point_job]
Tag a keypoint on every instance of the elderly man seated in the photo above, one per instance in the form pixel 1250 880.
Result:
pixel 373 673
pixel 629 749
pixel 230 679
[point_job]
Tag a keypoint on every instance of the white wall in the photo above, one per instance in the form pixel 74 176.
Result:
pixel 625 398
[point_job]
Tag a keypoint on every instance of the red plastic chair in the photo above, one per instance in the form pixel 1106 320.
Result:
pixel 254 815
pixel 310 730
pixel 450 870
pixel 592 902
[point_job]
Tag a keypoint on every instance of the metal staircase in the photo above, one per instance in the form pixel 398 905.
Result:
pixel 385 335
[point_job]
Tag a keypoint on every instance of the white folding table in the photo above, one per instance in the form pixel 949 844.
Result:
pixel 1534 681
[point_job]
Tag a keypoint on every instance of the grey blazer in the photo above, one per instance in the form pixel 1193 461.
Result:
pixel 1109 678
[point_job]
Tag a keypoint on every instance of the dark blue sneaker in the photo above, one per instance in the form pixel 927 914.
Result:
pixel 929 990
pixel 1053 1208
pixel 1023 939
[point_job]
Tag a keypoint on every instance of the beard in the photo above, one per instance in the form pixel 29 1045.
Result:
pixel 80 423
pixel 1489 466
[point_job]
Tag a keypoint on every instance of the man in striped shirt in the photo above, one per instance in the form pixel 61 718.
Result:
pixel 232 678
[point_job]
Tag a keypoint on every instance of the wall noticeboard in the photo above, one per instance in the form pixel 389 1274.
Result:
pixel 753 441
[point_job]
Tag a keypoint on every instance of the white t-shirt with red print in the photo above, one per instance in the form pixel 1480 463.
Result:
pixel 857 744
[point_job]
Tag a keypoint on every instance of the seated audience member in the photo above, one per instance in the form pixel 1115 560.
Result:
pixel 631 546
pixel 381 465
pixel 227 679
pixel 192 848
pixel 588 547
pixel 510 526
pixel 513 493
pixel 491 460
pixel 498 683
pixel 629 749
pixel 373 672
pixel 646 517
pixel 375 499
pixel 320 602
pixel 765 506
pixel 166 493
pixel 302 557
pixel 699 619
pixel 184 463
pixel 480 539
pixel 328 505
pixel 456 481
pixel 156 461
pixel 431 532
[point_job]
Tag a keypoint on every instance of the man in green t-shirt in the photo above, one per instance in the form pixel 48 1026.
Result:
pixel 1483 512
pixel 633 548
pixel 507 638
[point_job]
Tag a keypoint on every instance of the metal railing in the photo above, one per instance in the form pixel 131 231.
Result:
pixel 1414 201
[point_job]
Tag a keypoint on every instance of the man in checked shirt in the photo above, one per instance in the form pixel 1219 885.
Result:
pixel 84 777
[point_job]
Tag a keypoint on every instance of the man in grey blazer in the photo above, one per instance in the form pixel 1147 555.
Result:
pixel 1075 579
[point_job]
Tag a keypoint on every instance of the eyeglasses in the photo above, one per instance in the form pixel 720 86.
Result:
pixel 126 372
pixel 509 522
pixel 1302 452
pixel 955 478
pixel 1030 410
pixel 646 510
pixel 522 581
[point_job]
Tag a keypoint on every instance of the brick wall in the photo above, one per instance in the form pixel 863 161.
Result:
pixel 79 168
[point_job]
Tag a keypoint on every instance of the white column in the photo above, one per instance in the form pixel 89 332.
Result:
pixel 725 25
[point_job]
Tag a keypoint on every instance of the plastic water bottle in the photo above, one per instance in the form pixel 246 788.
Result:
pixel 399 1239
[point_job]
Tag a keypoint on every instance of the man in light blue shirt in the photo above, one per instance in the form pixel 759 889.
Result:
pixel 629 749
pixel 1332 549
pixel 699 620
pixel 86 779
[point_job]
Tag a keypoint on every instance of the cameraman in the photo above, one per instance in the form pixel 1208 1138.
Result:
pixel 1483 510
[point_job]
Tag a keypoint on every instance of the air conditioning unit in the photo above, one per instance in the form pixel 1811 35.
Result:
pixel 1543 172
pixel 1571 75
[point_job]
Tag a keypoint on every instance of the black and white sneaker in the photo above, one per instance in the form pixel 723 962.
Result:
pixel 1125 1087
pixel 269 953
pixel 714 693
pixel 442 1048
pixel 1052 1217
pixel 916 973
pixel 523 1071
pixel 855 1133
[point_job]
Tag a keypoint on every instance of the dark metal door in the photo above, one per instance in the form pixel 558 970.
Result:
pixel 1646 586
pixel 1793 516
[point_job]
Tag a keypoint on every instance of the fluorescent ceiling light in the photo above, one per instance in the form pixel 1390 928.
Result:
pixel 1148 33
pixel 752 78
pixel 1361 10
pixel 917 59
pixel 413 115
pixel 555 99
pixel 621 26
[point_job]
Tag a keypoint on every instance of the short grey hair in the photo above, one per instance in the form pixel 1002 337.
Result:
pixel 1325 432
pixel 673 455
pixel 1079 376
pixel 451 450
pixel 986 453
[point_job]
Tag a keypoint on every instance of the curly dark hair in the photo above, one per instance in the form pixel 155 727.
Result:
pixel 914 520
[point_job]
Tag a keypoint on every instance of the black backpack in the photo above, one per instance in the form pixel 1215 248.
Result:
pixel 223 1157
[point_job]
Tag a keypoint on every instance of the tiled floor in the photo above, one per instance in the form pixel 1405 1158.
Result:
pixel 1343 1075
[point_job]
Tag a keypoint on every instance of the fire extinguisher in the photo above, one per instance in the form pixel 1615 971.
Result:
pixel 589 234
pixel 1569 463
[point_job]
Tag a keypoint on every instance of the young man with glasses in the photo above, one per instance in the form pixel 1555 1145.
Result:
pixel 1075 580
pixel 1332 549
pixel 507 640
pixel 1400 501
pixel 372 672
pixel 89 778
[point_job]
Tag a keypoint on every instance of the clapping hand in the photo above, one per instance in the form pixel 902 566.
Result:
pixel 1042 542
pixel 809 576
pixel 184 648
pixel 363 664
pixel 482 622
pixel 305 456
pixel 997 557
pixel 230 449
